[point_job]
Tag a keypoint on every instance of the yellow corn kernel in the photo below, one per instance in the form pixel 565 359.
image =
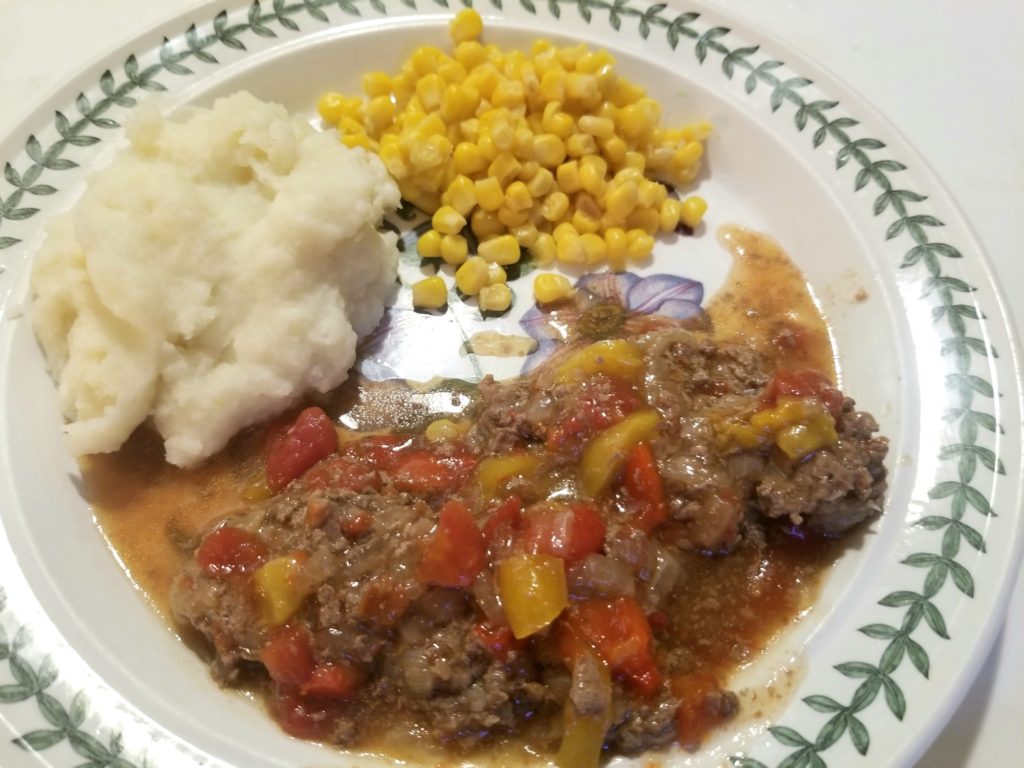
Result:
pixel 424 60
pixel 377 84
pixel 444 430
pixel 361 140
pixel 647 219
pixel 504 136
pixel 598 127
pixel 692 211
pixel 452 72
pixel 488 193
pixel 502 250
pixel 485 223
pixel 528 168
pixel 614 150
pixel 543 249
pixel 621 200
pixel 430 293
pixel 496 274
pixel 636 160
pixel 616 241
pixel 472 275
pixel 651 194
pixel 430 153
pixel 467 159
pixel 448 221
pixel 552 85
pixel 517 196
pixel 639 244
pixel 470 54
pixel 504 168
pixel 391 156
pixel 548 150
pixel 495 298
pixel 380 113
pixel 525 235
pixel 557 122
pixel 549 288
pixel 512 218
pixel 429 91
pixel 569 250
pixel 568 176
pixel 581 88
pixel 541 183
pixel 669 214
pixel 330 107
pixel 459 102
pixel 470 129
pixel 461 195
pixel 584 223
pixel 638 120
pixel 429 244
pixel 594 247
pixel 592 172
pixel 580 144
pixel 454 249
pixel 508 93
pixel 555 206
pixel 467 25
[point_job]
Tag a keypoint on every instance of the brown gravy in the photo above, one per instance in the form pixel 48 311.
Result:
pixel 729 608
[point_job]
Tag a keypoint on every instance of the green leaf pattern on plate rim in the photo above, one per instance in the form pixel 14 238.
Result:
pixel 915 614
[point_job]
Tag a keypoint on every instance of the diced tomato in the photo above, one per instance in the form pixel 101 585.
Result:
pixel 498 640
pixel 376 451
pixel 647 492
pixel 618 630
pixel 341 473
pixel 424 472
pixel 304 718
pixel 501 527
pixel 308 440
pixel 569 531
pixel 340 681
pixel 288 656
pixel 228 550
pixel 456 552
pixel 804 383
pixel 357 523
pixel 595 408
pixel 697 713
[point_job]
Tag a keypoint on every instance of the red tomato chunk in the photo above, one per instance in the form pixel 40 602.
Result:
pixel 569 531
pixel 311 438
pixel 288 656
pixel 230 550
pixel 457 552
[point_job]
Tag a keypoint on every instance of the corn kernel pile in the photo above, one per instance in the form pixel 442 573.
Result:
pixel 549 150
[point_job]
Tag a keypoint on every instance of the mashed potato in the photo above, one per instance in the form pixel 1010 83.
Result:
pixel 222 265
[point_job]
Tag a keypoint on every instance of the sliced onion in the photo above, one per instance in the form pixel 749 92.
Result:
pixel 601 576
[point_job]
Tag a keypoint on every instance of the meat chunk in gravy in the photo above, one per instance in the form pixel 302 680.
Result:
pixel 363 634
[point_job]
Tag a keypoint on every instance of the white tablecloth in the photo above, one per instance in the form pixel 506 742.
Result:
pixel 947 73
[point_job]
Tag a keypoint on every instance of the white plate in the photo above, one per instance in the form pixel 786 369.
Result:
pixel 919 353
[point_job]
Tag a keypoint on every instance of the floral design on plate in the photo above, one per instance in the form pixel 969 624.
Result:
pixel 662 295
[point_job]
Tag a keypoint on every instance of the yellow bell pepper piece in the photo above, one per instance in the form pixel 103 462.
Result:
pixel 495 470
pixel 533 592
pixel 583 735
pixel 616 357
pixel 606 454
pixel 797 425
pixel 280 588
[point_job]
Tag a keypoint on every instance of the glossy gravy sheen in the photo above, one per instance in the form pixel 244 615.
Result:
pixel 727 608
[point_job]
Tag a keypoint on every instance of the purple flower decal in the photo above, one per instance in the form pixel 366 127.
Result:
pixel 669 296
